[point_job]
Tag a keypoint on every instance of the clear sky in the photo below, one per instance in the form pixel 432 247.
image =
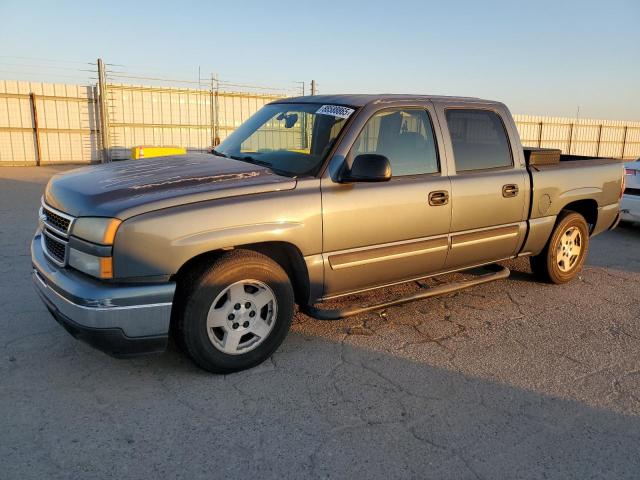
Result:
pixel 539 57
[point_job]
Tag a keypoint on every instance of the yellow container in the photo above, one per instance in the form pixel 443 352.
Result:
pixel 150 152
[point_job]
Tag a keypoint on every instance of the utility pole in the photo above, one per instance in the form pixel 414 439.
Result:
pixel 313 87
pixel 216 139
pixel 212 113
pixel 104 112
pixel 302 87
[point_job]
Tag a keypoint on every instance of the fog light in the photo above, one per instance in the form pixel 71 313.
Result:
pixel 99 267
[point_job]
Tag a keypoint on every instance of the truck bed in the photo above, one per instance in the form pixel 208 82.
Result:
pixel 545 157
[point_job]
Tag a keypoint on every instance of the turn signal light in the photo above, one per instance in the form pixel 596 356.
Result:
pixel 106 267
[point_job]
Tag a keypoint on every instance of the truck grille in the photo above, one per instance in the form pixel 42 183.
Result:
pixel 55 248
pixel 55 220
pixel 55 233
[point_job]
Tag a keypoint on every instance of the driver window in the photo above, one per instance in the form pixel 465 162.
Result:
pixel 405 137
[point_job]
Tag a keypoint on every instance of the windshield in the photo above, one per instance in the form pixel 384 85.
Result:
pixel 289 138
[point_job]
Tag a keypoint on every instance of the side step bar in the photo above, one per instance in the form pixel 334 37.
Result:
pixel 337 314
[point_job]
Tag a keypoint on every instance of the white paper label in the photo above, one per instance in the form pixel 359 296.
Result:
pixel 335 111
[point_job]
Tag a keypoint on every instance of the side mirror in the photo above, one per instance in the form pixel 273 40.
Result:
pixel 368 167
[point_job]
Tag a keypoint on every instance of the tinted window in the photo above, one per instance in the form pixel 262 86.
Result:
pixel 405 137
pixel 479 140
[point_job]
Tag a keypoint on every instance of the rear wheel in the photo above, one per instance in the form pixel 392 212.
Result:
pixel 565 252
pixel 236 313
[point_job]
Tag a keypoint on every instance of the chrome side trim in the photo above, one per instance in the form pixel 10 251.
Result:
pixel 380 253
pixel 466 239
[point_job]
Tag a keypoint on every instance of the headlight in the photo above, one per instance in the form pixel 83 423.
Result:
pixel 96 229
pixel 99 267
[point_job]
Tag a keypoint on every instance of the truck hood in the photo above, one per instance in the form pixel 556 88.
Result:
pixel 128 188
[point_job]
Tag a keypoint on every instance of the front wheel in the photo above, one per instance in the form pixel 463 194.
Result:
pixel 565 252
pixel 236 313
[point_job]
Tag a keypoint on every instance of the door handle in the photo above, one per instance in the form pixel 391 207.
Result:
pixel 438 197
pixel 510 190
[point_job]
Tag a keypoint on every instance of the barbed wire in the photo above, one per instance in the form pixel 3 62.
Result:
pixel 50 69
pixel 41 59
pixel 40 69
pixel 209 82
pixel 77 78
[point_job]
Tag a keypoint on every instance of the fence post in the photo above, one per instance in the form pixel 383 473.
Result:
pixel 599 138
pixel 104 112
pixel 212 132
pixel 313 87
pixel 540 136
pixel 36 130
pixel 624 141
pixel 570 137
pixel 217 130
pixel 215 111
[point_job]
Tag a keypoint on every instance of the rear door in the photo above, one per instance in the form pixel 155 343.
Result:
pixel 489 184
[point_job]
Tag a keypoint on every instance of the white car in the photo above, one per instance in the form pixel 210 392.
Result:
pixel 630 206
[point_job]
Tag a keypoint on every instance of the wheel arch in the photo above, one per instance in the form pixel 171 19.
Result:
pixel 286 254
pixel 588 208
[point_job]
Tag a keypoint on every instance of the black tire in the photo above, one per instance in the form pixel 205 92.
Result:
pixel 545 265
pixel 204 286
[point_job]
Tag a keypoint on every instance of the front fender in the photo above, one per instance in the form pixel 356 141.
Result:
pixel 159 243
pixel 203 242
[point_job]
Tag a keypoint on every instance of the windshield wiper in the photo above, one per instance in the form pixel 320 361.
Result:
pixel 255 161
pixel 250 159
pixel 219 154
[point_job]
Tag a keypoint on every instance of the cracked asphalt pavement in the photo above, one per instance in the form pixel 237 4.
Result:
pixel 512 379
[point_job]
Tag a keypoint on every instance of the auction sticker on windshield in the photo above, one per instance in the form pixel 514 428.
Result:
pixel 335 110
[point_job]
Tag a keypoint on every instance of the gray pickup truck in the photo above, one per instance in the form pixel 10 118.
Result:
pixel 310 199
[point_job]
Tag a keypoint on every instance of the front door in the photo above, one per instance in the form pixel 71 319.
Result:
pixel 380 233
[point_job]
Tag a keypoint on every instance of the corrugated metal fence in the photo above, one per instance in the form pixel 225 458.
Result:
pixel 43 123
pixel 48 123
pixel 597 138
pixel 191 118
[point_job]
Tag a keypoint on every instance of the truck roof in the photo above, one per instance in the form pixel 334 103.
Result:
pixel 360 100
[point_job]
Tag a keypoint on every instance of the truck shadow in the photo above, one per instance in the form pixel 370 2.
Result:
pixel 329 405
pixel 355 410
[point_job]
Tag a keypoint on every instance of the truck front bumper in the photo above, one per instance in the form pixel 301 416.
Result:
pixel 122 320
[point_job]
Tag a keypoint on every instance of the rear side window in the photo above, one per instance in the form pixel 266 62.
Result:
pixel 405 137
pixel 479 140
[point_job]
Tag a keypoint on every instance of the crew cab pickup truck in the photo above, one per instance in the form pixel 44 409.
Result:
pixel 310 199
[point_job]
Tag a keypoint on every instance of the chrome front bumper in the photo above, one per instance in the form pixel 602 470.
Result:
pixel 120 319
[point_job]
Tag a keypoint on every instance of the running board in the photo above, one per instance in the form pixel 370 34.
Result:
pixel 337 314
